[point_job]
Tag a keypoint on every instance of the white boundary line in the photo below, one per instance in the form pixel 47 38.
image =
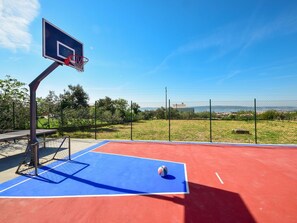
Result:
pixel 186 179
pixel 94 195
pixel 219 178
pixel 116 154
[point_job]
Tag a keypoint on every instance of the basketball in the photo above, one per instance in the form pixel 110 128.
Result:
pixel 162 171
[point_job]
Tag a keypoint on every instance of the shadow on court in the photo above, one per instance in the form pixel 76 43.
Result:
pixel 207 204
pixel 60 176
pixel 11 161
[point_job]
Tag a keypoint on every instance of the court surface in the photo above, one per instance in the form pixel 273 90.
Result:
pixel 115 181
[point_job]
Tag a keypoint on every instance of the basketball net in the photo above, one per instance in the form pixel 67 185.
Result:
pixel 77 62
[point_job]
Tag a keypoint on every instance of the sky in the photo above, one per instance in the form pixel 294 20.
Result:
pixel 198 50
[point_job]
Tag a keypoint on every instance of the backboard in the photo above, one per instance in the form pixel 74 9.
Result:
pixel 58 45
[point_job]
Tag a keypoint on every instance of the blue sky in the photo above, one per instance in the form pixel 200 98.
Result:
pixel 200 50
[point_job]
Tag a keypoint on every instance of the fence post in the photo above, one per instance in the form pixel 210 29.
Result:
pixel 69 148
pixel 62 121
pixel 210 123
pixel 131 123
pixel 169 117
pixel 166 103
pixel 48 117
pixel 13 115
pixel 255 119
pixel 95 117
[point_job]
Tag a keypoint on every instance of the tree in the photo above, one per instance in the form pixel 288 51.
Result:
pixel 269 115
pixel 14 104
pixel 147 115
pixel 135 108
pixel 174 113
pixel 115 111
pixel 160 113
pixel 48 107
pixel 52 102
pixel 106 104
pixel 74 97
pixel 12 89
pixel 121 106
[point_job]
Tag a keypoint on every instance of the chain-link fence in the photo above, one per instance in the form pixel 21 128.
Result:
pixel 13 115
pixel 254 121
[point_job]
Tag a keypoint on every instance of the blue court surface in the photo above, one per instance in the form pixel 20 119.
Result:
pixel 91 173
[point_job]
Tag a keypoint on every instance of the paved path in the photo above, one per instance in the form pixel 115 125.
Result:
pixel 11 155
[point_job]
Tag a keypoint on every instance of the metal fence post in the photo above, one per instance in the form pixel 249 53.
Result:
pixel 169 117
pixel 95 117
pixel 131 123
pixel 210 122
pixel 69 148
pixel 166 103
pixel 13 115
pixel 62 121
pixel 48 117
pixel 255 119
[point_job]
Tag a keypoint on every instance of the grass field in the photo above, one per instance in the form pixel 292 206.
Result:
pixel 268 132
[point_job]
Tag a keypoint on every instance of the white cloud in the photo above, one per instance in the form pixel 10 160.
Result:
pixel 15 18
pixel 229 76
pixel 234 37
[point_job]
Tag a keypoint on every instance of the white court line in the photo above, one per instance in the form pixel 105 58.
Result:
pixel 95 195
pixel 137 157
pixel 219 178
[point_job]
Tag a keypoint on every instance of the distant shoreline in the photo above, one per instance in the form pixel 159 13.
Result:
pixel 228 109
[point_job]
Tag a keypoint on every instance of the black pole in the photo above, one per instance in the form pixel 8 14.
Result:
pixel 131 123
pixel 48 117
pixel 166 103
pixel 13 115
pixel 33 116
pixel 210 122
pixel 33 87
pixel 255 119
pixel 62 119
pixel 36 115
pixel 95 117
pixel 169 117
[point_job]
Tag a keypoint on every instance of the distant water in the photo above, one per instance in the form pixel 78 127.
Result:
pixel 243 108
pixel 222 108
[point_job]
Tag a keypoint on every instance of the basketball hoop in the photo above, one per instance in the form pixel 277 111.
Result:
pixel 76 61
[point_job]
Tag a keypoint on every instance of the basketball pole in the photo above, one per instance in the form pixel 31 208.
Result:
pixel 33 87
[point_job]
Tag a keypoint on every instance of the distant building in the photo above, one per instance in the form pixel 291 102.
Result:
pixel 183 107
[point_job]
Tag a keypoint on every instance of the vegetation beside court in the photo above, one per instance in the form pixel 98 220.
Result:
pixel 72 115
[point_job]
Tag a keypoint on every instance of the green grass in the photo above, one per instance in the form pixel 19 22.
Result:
pixel 45 123
pixel 268 132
